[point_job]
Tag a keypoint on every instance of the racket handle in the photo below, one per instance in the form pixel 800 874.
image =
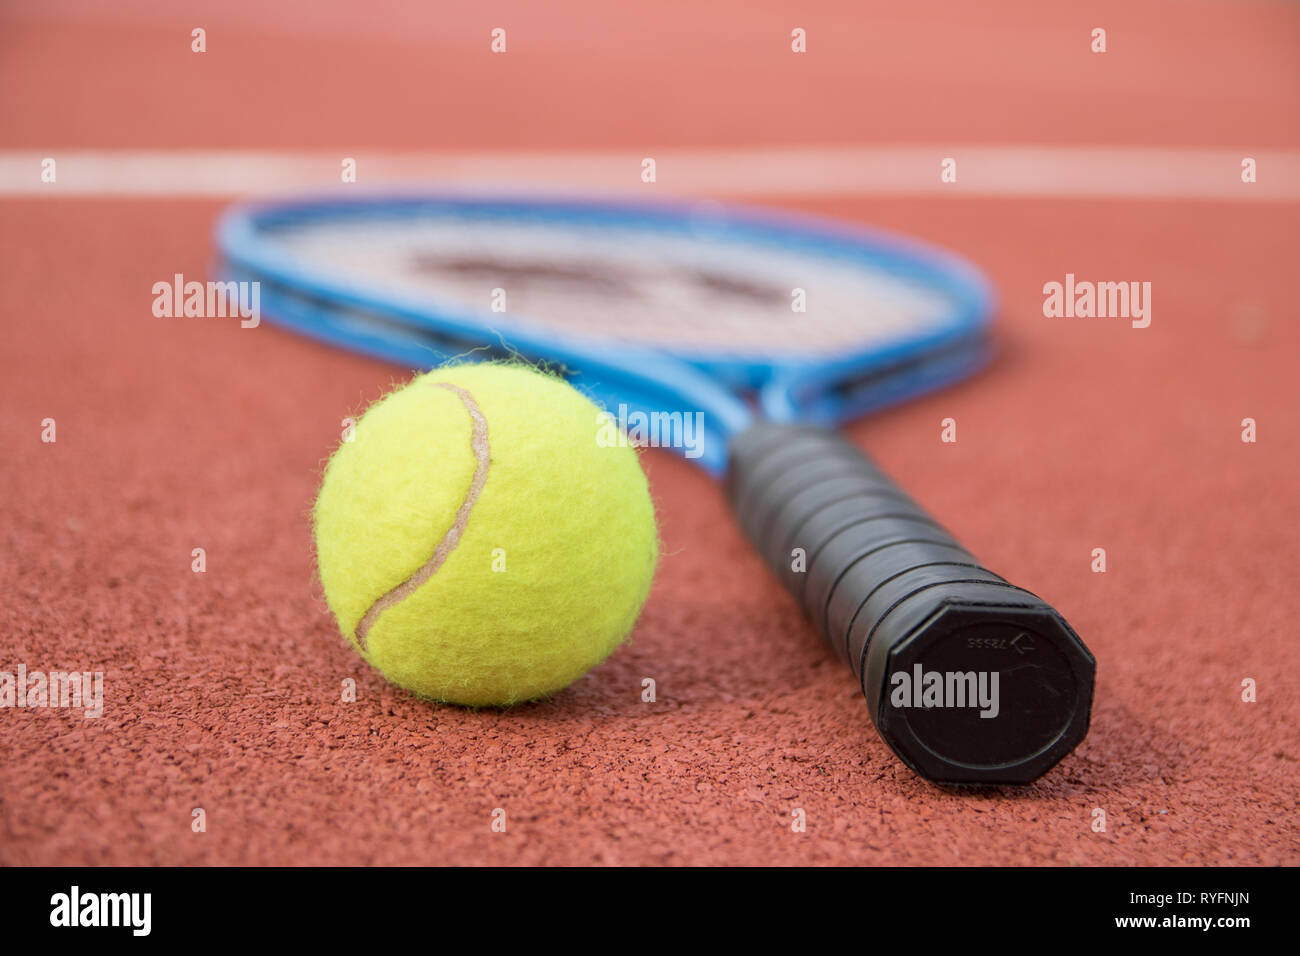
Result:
pixel 968 678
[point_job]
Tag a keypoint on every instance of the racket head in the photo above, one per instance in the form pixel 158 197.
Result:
pixel 666 306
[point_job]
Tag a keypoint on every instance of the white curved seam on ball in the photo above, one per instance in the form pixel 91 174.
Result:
pixel 482 456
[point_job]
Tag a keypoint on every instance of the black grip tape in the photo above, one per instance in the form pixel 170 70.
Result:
pixel 894 594
pixel 872 545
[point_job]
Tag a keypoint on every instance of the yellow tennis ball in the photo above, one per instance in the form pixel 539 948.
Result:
pixel 480 539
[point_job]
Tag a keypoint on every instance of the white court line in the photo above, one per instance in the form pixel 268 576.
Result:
pixel 989 171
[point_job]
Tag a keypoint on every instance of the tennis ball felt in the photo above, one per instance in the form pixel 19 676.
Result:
pixel 478 542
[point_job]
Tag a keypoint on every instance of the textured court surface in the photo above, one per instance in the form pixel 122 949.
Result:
pixel 222 689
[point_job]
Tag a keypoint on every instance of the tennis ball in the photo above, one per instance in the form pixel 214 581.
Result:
pixel 480 540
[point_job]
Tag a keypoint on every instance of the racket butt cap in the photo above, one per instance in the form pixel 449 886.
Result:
pixel 981 694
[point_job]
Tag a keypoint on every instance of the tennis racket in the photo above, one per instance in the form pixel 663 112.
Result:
pixel 741 339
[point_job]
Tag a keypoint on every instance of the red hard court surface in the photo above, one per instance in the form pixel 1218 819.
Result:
pixel 223 688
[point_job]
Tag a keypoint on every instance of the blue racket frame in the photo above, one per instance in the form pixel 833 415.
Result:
pixel 732 389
